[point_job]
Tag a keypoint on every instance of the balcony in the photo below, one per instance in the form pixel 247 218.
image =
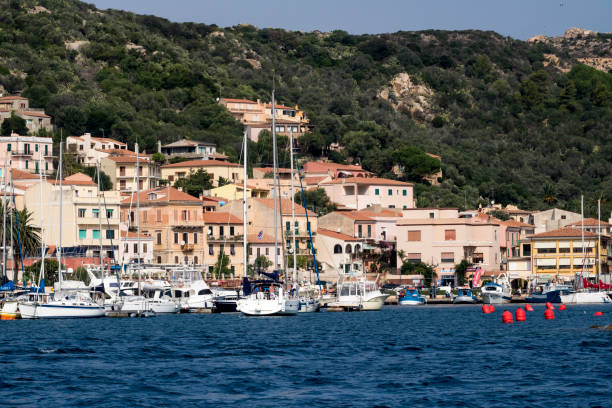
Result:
pixel 21 153
pixel 187 247
pixel 230 238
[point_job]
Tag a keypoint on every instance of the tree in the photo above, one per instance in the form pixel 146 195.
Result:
pixel 105 181
pixel 222 267
pixel 25 236
pixel 302 261
pixel 158 158
pixel 14 124
pixel 51 271
pixel 500 215
pixel 262 263
pixel 414 163
pixel 419 268
pixel 195 182
pixel 316 200
pixel 460 271
pixel 223 181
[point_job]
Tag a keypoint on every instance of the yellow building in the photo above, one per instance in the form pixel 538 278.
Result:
pixel 216 168
pixel 235 192
pixel 560 254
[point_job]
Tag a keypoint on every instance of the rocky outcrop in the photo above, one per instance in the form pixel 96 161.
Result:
pixel 402 93
pixel 602 64
pixel 75 45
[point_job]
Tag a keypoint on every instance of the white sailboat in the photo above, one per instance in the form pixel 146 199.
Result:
pixel 65 304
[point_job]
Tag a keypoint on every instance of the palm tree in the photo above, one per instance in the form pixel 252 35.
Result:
pixel 26 237
pixel 550 197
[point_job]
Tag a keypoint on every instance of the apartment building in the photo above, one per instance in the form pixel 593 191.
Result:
pixel 36 119
pixel 90 150
pixel 122 171
pixel 224 234
pixel 358 193
pixel 191 149
pixel 216 168
pixel 27 153
pixel 134 248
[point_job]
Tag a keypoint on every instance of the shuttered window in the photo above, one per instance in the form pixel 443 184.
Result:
pixel 450 235
pixel 414 235
pixel 447 257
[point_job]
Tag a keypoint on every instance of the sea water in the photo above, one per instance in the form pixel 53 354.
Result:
pixel 444 356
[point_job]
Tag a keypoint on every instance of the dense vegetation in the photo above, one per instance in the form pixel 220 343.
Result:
pixel 509 126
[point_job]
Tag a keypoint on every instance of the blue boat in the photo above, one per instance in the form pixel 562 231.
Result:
pixel 549 293
pixel 465 295
pixel 412 297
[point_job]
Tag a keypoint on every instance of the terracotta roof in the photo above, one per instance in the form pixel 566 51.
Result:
pixel 314 180
pixel 10 98
pixel 236 100
pixel 129 159
pixel 445 221
pixel 279 170
pixel 382 213
pixel 118 152
pixel 108 140
pixel 79 179
pixel 564 233
pixel 518 224
pixel 160 194
pixel 337 235
pixel 276 106
pixel 214 217
pixel 187 142
pixel 134 235
pixel 356 215
pixel 589 222
pixel 23 175
pixel 36 114
pixel 368 181
pixel 318 166
pixel 265 239
pixel 215 199
pixel 285 204
pixel 218 156
pixel 200 163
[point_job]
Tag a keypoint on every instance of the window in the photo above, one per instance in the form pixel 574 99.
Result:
pixel 478 257
pixel 376 191
pixel 450 235
pixel 359 231
pixel 185 215
pixel 110 234
pixel 447 257
pixel 404 192
pixel 210 230
pixel 35 147
pixel 46 150
pixel 220 230
pixel 122 170
pixel 414 257
pixel 96 213
pixel 176 238
pixel 36 167
pixel 414 235
pixel 136 248
pixel 96 234
pixel 431 215
pixel 288 226
pixel 389 192
pixel 126 248
pixel 81 212
pixel 109 213
pixel 337 249
pixel 159 238
pixel 82 234
pixel 564 250
pixel 369 231
pixel 195 260
pixel 348 249
pixel 231 231
pixel 232 249
pixel 26 164
pixel 549 250
pixel 211 249
pixel 8 147
pixel 185 238
pixel 122 184
pixel 46 166
pixel 176 260
pixel 258 251
pixel 267 251
pixel 195 237
pixel 159 259
pixel 158 216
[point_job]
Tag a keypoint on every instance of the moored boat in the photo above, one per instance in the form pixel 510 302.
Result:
pixel 412 297
pixel 465 296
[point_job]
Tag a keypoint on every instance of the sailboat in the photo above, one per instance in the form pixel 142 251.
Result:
pixel 65 304
pixel 583 293
pixel 267 296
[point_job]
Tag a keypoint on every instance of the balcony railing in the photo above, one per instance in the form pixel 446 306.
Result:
pixel 187 247
pixel 21 152
pixel 225 238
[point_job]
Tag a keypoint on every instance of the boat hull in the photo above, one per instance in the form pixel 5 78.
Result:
pixel 165 308
pixel 260 307
pixel 309 306
pixel 10 311
pixel 225 306
pixel 51 311
pixel 585 297
pixel 411 302
pixel 464 300
pixel 495 298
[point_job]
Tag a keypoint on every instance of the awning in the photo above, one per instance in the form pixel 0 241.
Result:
pixel 368 246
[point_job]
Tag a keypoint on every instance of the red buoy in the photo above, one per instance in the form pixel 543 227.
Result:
pixel 528 307
pixel 507 317
pixel 549 314
pixel 491 309
pixel 486 309
pixel 598 313
pixel 549 305
pixel 520 315
pixel 562 307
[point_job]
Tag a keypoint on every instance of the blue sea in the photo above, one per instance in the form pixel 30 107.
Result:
pixel 450 356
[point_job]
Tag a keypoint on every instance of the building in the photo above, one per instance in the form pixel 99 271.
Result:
pixel 216 168
pixel 224 234
pixel 175 221
pixel 190 149
pixel 90 218
pixel 90 150
pixel 257 116
pixel 36 119
pixel 338 252
pixel 552 219
pixel 27 153
pixel 334 170
pixel 236 192
pixel 357 193
pixel 445 242
pixel 131 252
pixel 561 254
pixel 593 225
pixel 122 171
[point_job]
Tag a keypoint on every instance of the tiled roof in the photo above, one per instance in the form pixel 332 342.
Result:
pixel 265 239
pixel 200 163
pixel 337 235
pixel 23 175
pixel 445 221
pixel 368 181
pixel 356 215
pixel 35 114
pixel 279 170
pixel 382 213
pixel 11 98
pixel 79 179
pixel 134 235
pixel 161 194
pixel 129 159
pixel 108 140
pixel 564 233
pixel 236 100
pixel 324 166
pixel 187 142
pixel 276 106
pixel 311 181
pixel 285 204
pixel 214 217
pixel 517 224
pixel 590 222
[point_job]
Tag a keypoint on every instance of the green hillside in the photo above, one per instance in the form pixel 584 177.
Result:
pixel 509 125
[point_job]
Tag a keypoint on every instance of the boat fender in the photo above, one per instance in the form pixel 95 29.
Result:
pixel 520 315
pixel 507 317
pixel 549 314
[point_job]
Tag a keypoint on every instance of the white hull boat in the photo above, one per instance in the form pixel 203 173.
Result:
pixel 73 306
pixel 309 305
pixel 358 295
pixel 585 297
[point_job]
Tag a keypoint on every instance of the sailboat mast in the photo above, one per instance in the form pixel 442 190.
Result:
pixel 41 277
pixel 275 182
pixel 582 237
pixel 293 211
pixel 244 207
pixel 598 241
pixel 4 206
pixel 138 211
pixel 100 220
pixel 61 208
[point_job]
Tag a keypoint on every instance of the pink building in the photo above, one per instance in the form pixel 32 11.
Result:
pixel 358 193
pixel 444 242
pixel 334 170
pixel 90 150
pixel 27 153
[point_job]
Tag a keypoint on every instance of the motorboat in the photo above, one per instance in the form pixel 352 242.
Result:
pixel 10 310
pixel 71 305
pixel 266 298
pixel 497 292
pixel 465 295
pixel 160 302
pixel 309 304
pixel 411 296
pixel 359 294
pixel 550 292
pixel 583 296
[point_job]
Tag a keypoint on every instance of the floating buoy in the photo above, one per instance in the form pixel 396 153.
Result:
pixel 598 313
pixel 549 314
pixel 507 317
pixel 528 307
pixel 549 305
pixel 562 307
pixel 485 309
pixel 491 309
pixel 520 315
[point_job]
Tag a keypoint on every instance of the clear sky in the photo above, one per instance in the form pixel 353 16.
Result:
pixel 516 18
